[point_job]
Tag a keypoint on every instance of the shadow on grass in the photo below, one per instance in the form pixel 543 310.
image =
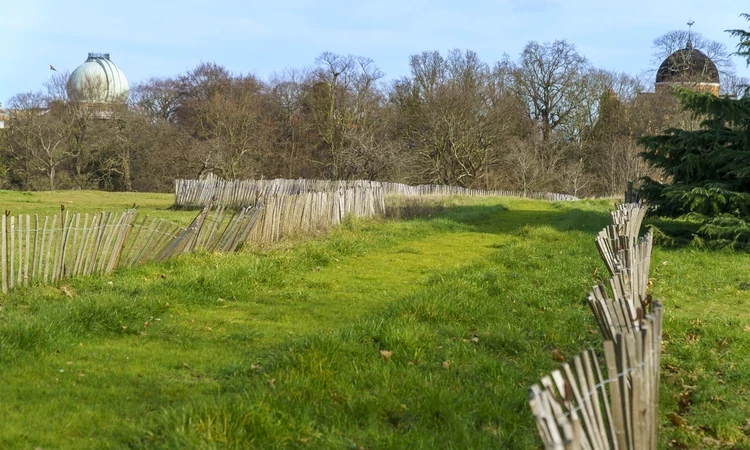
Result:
pixel 712 235
pixel 672 233
pixel 501 219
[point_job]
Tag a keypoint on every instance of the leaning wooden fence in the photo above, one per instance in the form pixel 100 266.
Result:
pixel 288 206
pixel 612 404
pixel 43 250
pixel 46 249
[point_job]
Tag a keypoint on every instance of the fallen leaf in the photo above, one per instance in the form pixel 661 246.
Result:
pixel 557 355
pixel 685 399
pixel 676 419
pixel 386 354
pixel 712 443
pixel 446 364
pixel 67 290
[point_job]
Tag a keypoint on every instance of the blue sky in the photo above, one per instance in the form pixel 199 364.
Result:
pixel 159 38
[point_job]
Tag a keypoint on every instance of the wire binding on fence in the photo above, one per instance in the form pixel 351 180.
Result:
pixel 586 410
pixel 617 408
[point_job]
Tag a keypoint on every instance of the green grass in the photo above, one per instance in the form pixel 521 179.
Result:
pixel 705 398
pixel 49 202
pixel 288 346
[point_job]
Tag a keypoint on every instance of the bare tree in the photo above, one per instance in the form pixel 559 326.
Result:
pixel 285 96
pixel 550 78
pixel 201 83
pixel 231 130
pixel 340 102
pixel 20 138
pixel 37 137
pixel 735 86
pixel 523 159
pixel 157 98
pixel 56 88
pixel 456 115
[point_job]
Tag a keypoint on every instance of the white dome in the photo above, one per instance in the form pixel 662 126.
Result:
pixel 98 80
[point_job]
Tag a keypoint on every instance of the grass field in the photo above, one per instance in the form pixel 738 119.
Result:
pixel 361 339
pixel 48 203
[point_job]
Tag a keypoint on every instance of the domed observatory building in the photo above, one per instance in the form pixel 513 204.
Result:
pixel 690 68
pixel 98 81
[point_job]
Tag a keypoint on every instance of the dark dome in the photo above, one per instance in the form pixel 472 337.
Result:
pixel 687 65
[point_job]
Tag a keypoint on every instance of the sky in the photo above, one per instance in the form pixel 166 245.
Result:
pixel 164 38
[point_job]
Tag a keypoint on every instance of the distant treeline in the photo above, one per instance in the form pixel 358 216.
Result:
pixel 546 122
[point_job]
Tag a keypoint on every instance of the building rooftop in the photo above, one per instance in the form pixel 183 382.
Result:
pixel 98 80
pixel 687 65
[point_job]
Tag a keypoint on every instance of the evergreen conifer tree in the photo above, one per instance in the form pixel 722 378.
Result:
pixel 707 169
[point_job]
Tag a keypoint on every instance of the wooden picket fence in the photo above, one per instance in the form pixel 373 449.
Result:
pixel 288 214
pixel 46 249
pixel 406 190
pixel 43 250
pixel 239 193
pixel 613 405
pixel 288 206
